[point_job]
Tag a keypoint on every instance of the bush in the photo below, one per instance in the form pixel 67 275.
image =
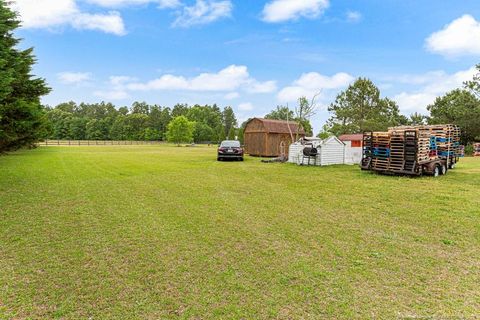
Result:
pixel 469 149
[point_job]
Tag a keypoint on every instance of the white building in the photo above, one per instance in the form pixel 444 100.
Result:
pixel 329 151
pixel 353 147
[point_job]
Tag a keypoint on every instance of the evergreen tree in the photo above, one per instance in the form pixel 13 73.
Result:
pixel 22 118
pixel 60 123
pixel 179 110
pixel 140 107
pixel 152 135
pixel 221 135
pixel 241 136
pixel 78 128
pixel 229 120
pixel 360 108
pixel 460 107
pixel 203 133
pixel 231 134
pixel 118 129
pixel 95 130
pixel 474 84
pixel 417 119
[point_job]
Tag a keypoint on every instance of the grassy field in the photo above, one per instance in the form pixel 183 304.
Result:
pixel 160 232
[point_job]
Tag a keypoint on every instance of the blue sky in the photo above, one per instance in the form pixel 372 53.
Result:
pixel 251 55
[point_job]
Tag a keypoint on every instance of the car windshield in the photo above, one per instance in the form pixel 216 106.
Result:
pixel 230 144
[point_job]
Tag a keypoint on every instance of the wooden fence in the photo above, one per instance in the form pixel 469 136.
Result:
pixel 50 142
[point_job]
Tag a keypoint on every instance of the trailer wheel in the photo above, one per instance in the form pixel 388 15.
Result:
pixel 452 165
pixel 443 170
pixel 436 171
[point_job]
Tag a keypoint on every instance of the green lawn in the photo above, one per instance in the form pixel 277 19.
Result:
pixel 160 232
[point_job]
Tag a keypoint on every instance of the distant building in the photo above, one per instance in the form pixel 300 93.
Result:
pixel 270 138
pixel 353 147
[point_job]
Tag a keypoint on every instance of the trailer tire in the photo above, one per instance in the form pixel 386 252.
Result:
pixel 443 169
pixel 452 165
pixel 436 171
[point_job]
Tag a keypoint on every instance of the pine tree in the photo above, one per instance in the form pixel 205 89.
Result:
pixel 22 118
pixel 231 133
pixel 361 108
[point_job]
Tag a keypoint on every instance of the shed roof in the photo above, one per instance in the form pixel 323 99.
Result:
pixel 280 126
pixel 332 139
pixel 351 137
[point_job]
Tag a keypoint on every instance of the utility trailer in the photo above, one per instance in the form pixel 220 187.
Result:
pixel 412 150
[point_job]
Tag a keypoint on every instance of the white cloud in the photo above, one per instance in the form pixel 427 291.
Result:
pixel 110 23
pixel 312 83
pixel 417 79
pixel 121 80
pixel 245 106
pixel 57 13
pixel 123 3
pixel 435 84
pixel 459 38
pixel 44 13
pixel 74 77
pixel 232 95
pixel 169 4
pixel 414 102
pixel 262 87
pixel 284 10
pixel 354 16
pixel 117 88
pixel 229 79
pixel 203 12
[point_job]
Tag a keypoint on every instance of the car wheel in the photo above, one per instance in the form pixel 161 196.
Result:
pixel 241 159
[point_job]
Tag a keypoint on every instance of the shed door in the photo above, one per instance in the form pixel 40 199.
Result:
pixel 282 148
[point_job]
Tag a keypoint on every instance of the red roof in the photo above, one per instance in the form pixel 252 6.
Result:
pixel 351 137
pixel 281 126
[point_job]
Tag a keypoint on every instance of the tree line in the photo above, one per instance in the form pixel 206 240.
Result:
pixel 359 108
pixel 142 121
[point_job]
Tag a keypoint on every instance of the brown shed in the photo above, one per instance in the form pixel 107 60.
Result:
pixel 270 138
